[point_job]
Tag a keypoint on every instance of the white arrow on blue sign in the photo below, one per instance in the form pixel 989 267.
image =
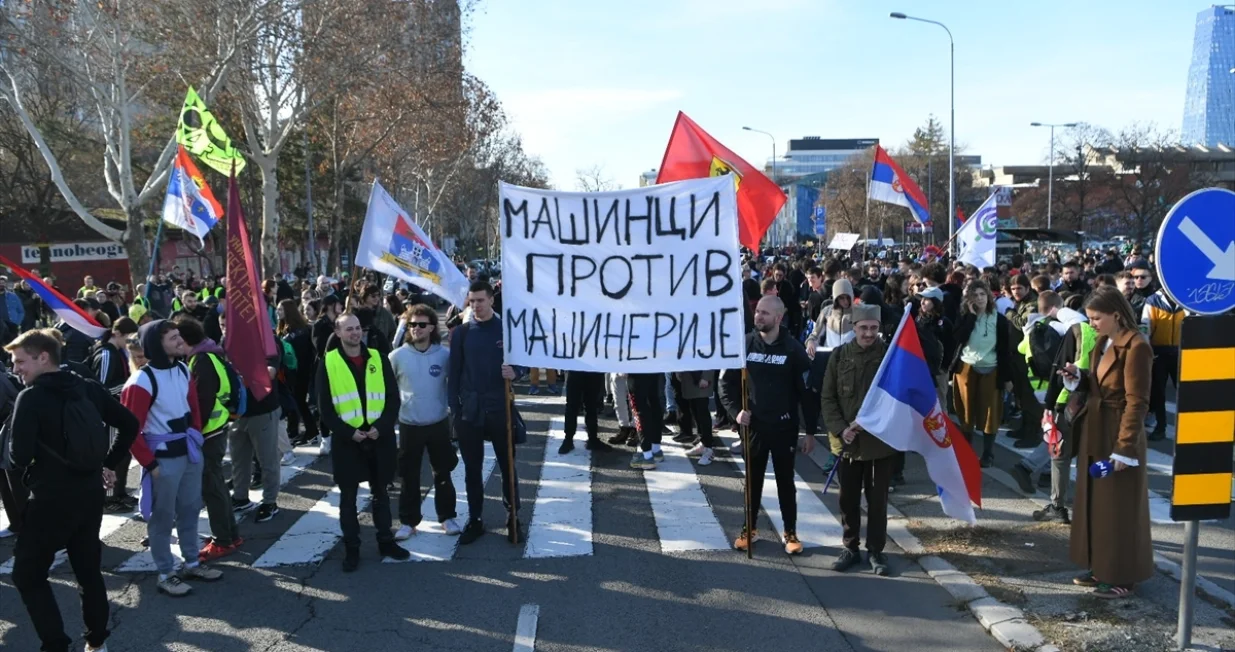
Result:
pixel 1195 251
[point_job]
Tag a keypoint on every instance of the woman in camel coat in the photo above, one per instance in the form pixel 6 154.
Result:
pixel 1110 523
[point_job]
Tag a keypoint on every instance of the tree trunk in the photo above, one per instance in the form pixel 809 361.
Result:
pixel 134 241
pixel 269 165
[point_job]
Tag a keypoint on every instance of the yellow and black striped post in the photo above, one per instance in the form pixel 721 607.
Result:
pixel 1205 426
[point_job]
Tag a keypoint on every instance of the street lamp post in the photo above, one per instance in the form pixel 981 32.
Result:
pixel 952 129
pixel 1050 167
pixel 773 138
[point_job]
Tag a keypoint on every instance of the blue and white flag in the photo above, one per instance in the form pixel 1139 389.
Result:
pixel 976 237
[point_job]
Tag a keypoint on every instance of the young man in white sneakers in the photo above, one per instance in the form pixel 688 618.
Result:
pixel 421 366
pixel 776 367
pixel 163 397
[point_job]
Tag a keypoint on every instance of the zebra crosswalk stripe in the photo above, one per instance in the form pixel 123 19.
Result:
pixel 431 543
pixel 562 515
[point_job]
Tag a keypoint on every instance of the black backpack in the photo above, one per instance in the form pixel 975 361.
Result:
pixel 86 439
pixel 1044 345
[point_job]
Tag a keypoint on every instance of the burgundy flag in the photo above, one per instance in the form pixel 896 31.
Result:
pixel 250 337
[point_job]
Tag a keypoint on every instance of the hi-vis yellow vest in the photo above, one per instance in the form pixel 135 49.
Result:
pixel 218 412
pixel 1089 339
pixel 346 396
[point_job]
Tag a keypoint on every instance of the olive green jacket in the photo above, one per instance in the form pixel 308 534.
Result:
pixel 851 371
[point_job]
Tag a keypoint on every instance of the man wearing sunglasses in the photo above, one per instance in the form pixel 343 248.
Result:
pixel 420 367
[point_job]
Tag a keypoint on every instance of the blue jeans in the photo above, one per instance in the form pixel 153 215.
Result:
pixel 177 502
pixel 671 405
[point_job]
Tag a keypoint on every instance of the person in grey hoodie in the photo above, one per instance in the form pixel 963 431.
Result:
pixel 420 366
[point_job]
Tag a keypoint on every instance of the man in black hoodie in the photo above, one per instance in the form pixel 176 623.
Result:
pixel 776 366
pixel 110 364
pixel 66 502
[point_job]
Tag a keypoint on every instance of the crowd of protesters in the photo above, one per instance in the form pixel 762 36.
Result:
pixel 373 377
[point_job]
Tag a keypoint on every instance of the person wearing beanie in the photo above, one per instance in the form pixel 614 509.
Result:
pixel 866 462
pixel 834 326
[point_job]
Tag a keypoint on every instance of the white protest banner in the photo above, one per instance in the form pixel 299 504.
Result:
pixel 646 280
pixel 844 241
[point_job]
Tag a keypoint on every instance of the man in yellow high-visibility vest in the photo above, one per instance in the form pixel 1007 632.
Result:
pixel 358 398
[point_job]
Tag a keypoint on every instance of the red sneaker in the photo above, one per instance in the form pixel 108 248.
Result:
pixel 213 551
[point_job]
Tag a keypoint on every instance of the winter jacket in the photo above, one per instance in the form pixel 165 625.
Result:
pixel 372 460
pixel 110 366
pixel 475 384
pixel 37 419
pixel 77 344
pixel 775 386
pixel 834 325
pixel 174 409
pixel 850 374
pixel 689 380
pixel 1004 347
pixel 14 310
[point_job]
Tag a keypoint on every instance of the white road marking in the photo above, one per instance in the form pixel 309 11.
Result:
pixel 311 537
pixel 817 525
pixel 684 519
pixel 430 542
pixel 562 516
pixel 143 562
pixel 525 630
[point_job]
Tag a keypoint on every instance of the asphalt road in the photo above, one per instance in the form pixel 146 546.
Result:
pixel 620 587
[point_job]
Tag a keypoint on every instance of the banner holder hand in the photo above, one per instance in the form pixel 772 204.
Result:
pixel 513 518
pixel 745 432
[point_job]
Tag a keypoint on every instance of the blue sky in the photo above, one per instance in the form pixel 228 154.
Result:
pixel 598 82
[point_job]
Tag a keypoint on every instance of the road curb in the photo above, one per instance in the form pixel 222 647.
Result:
pixel 1003 622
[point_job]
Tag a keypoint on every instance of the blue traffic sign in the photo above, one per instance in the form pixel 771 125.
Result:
pixel 821 227
pixel 1195 251
pixel 819 211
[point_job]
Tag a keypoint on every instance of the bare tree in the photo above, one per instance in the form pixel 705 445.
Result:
pixel 307 52
pixel 595 179
pixel 115 51
pixel 1153 174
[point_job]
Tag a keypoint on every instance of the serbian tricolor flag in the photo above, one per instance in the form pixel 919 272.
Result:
pixel 189 203
pixel 693 154
pixel 890 184
pixel 960 217
pixel 64 308
pixel 902 408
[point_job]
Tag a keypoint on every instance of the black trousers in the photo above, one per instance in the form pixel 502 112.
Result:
pixel 586 389
pixel 693 414
pixel 121 488
pixel 647 393
pixel 781 447
pixel 472 438
pixel 13 495
pixel 871 477
pixel 300 393
pixel 380 506
pixel 1166 365
pixel 413 442
pixel 71 523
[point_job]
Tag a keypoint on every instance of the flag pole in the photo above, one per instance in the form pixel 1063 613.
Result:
pixel 513 518
pixel 745 432
pixel 154 257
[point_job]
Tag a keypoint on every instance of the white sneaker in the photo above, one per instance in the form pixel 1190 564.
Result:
pixel 324 447
pixel 5 533
pixel 736 447
pixel 697 450
pixel 452 526
pixel 288 458
pixel 706 458
pixel 96 649
pixel 404 533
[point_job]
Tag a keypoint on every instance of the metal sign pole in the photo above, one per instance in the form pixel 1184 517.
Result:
pixel 1187 585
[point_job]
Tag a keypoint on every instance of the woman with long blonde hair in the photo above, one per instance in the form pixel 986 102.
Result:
pixel 981 367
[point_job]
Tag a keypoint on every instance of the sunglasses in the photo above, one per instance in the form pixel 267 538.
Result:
pixel 419 324
pixel 1140 277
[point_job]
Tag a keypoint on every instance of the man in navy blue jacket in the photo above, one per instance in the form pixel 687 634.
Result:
pixel 477 394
